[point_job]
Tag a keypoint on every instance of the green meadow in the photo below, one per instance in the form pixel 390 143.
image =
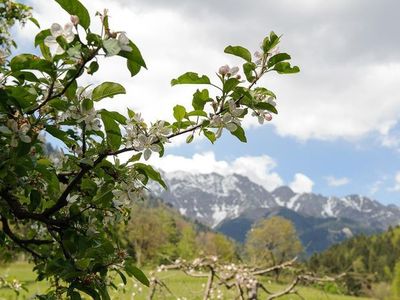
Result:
pixel 180 287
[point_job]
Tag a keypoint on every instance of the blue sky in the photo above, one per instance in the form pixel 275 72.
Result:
pixel 338 124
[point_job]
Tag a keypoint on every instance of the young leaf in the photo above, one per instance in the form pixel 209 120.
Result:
pixel 115 115
pixel 277 58
pixel 179 112
pixel 190 78
pixel 93 67
pixel 270 42
pixel 230 84
pixel 267 106
pixel 31 62
pixel 210 135
pixel 107 89
pixel 248 69
pixel 133 67
pixel 151 173
pixel 285 68
pixel 131 270
pixel 41 36
pixel 240 134
pixel 239 51
pixel 198 113
pixel 189 139
pixel 74 7
pixel 112 130
pixel 200 98
pixel 134 55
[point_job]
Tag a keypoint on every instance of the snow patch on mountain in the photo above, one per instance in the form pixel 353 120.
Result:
pixel 212 198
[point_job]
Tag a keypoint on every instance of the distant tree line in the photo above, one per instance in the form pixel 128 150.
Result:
pixel 369 258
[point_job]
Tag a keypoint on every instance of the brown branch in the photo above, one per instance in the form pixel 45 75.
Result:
pixel 209 285
pixel 21 213
pixel 7 230
pixel 283 265
pixel 288 290
pixel 22 245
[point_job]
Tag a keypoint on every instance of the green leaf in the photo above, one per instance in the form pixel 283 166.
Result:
pixel 122 276
pixel 93 67
pixel 179 112
pixel 151 173
pixel 277 58
pixel 41 36
pixel 248 70
pixel 270 42
pixel 230 84
pixel 58 104
pixel 240 134
pixel 88 290
pixel 75 295
pixel 35 198
pixel 113 132
pixel 135 157
pixel 24 98
pixel 210 135
pixel 285 68
pixel 86 104
pixel 60 134
pixel 115 115
pixel 34 21
pixel 267 106
pixel 131 270
pixel 189 139
pixel 265 92
pixel 104 293
pixel 133 67
pixel 190 78
pixel 200 98
pixel 134 55
pixel 74 7
pixel 83 263
pixel 199 113
pixel 31 62
pixel 107 89
pixel 239 51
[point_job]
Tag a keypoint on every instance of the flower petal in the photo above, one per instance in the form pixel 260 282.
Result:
pixel 56 30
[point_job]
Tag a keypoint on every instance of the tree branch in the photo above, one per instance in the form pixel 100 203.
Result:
pixel 76 75
pixel 15 238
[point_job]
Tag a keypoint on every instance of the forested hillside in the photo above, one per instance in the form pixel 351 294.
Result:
pixel 375 255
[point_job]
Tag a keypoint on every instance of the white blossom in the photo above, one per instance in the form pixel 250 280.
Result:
pixel 56 31
pixel 147 144
pixel 226 70
pixel 123 42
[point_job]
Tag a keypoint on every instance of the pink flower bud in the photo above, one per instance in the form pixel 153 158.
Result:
pixel 223 70
pixel 74 20
pixel 268 117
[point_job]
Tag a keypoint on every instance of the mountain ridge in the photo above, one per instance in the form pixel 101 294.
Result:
pixel 212 198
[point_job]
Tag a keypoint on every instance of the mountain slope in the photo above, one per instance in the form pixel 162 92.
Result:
pixel 213 198
pixel 316 234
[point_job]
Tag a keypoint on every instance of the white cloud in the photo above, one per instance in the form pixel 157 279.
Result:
pixel 257 168
pixel 347 87
pixel 375 187
pixel 301 184
pixel 396 186
pixel 333 181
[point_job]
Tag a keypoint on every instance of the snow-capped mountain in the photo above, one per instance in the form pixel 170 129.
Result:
pixel 213 198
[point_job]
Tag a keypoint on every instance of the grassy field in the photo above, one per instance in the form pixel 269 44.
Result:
pixel 181 287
